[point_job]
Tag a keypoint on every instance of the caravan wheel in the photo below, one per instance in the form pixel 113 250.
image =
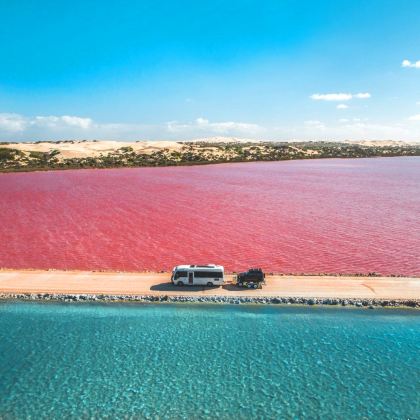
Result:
pixel 210 284
pixel 180 283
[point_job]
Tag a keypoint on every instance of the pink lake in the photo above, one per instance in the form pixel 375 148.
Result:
pixel 310 216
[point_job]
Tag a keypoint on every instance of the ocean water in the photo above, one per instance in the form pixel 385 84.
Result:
pixel 198 361
pixel 312 216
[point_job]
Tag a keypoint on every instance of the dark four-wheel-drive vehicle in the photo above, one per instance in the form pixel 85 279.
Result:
pixel 252 279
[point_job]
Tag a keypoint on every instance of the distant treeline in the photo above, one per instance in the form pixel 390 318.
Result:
pixel 198 153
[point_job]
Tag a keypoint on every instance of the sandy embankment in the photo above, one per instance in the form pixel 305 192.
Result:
pixel 83 149
pixel 158 284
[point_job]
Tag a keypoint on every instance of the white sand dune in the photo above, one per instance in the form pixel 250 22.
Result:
pixel 81 149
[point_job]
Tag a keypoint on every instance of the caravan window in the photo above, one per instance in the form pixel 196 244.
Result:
pixel 179 274
pixel 208 274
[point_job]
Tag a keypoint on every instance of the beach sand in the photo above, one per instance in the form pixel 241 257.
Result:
pixel 87 282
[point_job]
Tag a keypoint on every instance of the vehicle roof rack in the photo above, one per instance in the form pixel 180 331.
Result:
pixel 202 266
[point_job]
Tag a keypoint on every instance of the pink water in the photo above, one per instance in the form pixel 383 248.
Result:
pixel 299 216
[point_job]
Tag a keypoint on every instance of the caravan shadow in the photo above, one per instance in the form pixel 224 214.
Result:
pixel 169 287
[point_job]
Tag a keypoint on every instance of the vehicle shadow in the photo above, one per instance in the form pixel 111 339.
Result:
pixel 233 288
pixel 170 287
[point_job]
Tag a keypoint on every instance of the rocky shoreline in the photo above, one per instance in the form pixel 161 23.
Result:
pixel 271 300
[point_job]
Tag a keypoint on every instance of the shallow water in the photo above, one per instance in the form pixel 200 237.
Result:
pixel 198 361
pixel 313 216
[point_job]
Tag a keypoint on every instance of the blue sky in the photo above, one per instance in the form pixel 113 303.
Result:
pixel 156 69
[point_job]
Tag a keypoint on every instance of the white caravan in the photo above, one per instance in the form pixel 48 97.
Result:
pixel 198 275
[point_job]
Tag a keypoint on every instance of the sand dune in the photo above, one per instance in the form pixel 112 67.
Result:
pixel 81 149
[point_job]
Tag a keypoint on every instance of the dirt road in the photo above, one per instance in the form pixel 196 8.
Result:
pixel 85 282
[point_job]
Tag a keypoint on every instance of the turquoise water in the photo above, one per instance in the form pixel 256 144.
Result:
pixel 176 361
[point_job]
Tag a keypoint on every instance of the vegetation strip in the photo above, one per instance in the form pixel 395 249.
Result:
pixel 194 153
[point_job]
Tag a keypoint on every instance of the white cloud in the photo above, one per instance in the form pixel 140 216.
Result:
pixel 54 127
pixel 53 121
pixel 12 123
pixel 354 120
pixel 377 131
pixel 315 124
pixel 15 127
pixel 342 106
pixel 331 96
pixel 339 96
pixel 18 123
pixel 365 95
pixel 203 124
pixel 412 64
pixel 77 121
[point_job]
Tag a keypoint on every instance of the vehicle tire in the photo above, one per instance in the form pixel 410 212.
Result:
pixel 180 283
pixel 255 286
pixel 249 285
pixel 210 284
